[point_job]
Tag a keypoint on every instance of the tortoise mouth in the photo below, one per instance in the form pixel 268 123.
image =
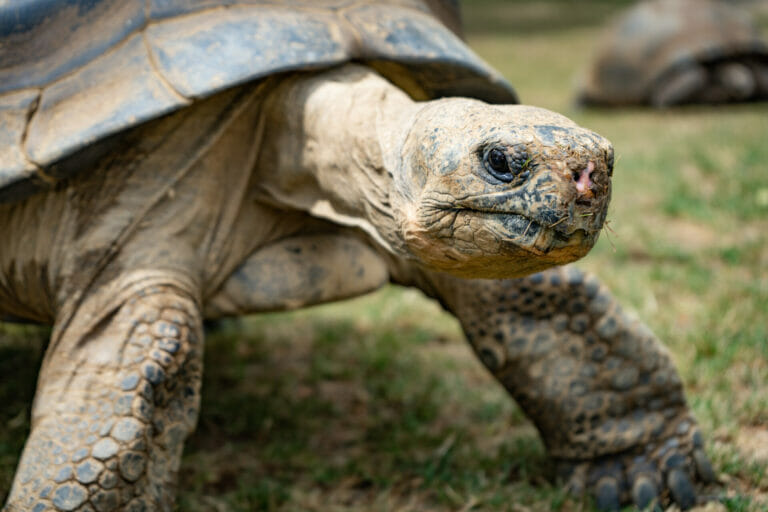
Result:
pixel 512 222
pixel 523 211
pixel 513 209
pixel 531 234
pixel 492 243
pixel 537 222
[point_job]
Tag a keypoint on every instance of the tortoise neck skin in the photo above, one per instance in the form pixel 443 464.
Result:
pixel 461 186
pixel 324 147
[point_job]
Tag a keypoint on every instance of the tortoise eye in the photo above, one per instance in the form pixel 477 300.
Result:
pixel 497 165
pixel 498 161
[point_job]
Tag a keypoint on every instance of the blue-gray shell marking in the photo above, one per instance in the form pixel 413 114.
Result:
pixel 125 62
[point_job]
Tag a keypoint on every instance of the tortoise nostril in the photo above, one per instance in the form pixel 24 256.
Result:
pixel 582 178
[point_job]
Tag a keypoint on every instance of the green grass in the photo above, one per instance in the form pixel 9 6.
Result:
pixel 376 404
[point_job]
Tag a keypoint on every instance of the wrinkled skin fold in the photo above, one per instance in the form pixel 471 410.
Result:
pixel 316 187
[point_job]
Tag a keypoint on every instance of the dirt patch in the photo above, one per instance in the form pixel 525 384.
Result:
pixel 709 507
pixel 752 442
pixel 690 235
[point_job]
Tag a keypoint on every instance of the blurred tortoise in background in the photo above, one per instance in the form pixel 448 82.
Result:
pixel 671 52
pixel 169 161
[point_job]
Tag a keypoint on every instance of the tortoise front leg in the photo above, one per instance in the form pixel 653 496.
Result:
pixel 601 389
pixel 113 407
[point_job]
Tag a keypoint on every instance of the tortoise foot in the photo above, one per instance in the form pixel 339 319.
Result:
pixel 666 470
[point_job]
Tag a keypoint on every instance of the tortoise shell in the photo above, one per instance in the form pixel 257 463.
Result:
pixel 71 76
pixel 653 38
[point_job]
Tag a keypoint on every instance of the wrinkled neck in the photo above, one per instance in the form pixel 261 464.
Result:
pixel 333 148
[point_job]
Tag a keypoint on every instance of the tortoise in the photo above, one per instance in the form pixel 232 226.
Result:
pixel 671 52
pixel 174 161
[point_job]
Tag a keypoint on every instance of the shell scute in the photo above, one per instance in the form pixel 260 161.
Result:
pixel 100 67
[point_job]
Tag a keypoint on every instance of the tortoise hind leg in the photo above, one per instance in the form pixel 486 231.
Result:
pixel 681 86
pixel 760 71
pixel 737 80
pixel 601 389
pixel 113 408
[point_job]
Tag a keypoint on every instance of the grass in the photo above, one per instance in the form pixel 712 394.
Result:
pixel 376 404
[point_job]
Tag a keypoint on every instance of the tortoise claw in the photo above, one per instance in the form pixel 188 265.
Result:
pixel 703 466
pixel 607 494
pixel 682 490
pixel 575 476
pixel 644 492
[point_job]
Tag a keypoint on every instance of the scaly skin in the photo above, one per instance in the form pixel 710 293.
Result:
pixel 599 386
pixel 108 434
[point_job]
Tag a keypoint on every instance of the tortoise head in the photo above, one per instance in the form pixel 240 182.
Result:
pixel 489 191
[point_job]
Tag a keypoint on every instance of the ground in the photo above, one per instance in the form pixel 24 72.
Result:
pixel 376 404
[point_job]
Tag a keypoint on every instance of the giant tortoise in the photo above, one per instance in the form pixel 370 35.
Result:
pixel 170 161
pixel 672 52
